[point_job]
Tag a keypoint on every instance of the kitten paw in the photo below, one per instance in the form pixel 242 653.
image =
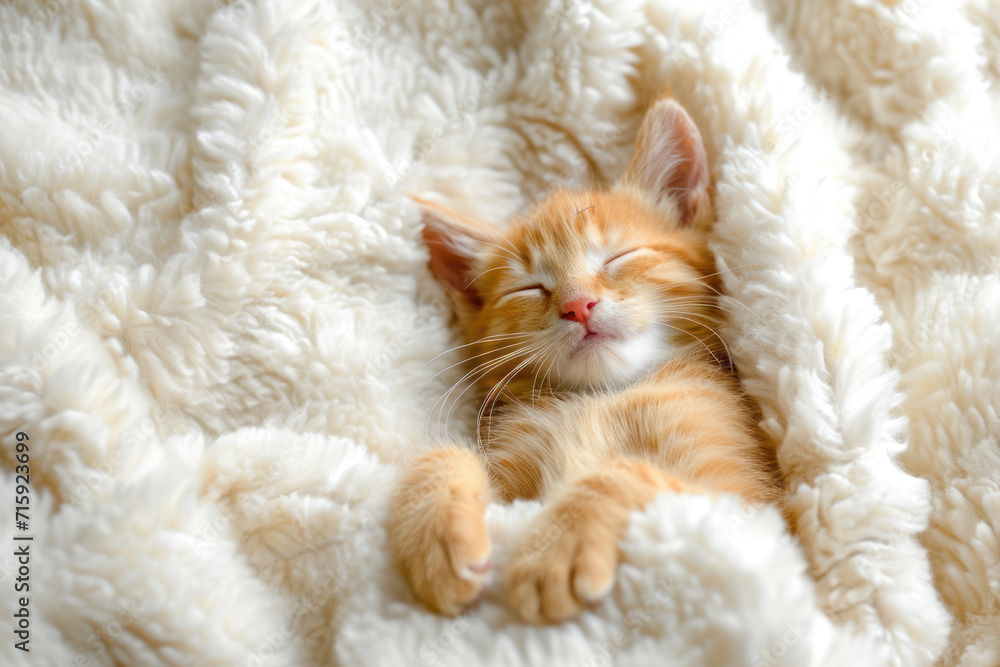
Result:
pixel 439 529
pixel 568 562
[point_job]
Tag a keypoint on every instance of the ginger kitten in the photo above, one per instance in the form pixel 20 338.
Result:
pixel 590 325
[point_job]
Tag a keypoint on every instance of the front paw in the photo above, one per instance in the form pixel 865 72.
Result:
pixel 439 529
pixel 568 561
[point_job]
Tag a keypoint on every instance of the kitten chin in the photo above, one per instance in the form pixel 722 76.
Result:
pixel 615 364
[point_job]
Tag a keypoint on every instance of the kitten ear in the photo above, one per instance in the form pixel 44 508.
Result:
pixel 454 243
pixel 669 161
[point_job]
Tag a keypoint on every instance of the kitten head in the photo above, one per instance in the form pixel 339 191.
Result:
pixel 591 289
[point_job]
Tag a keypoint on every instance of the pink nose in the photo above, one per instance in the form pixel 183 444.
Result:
pixel 578 310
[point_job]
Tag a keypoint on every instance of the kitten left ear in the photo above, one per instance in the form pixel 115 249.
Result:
pixel 669 161
pixel 454 243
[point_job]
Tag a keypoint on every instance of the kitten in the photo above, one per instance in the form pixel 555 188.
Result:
pixel 591 324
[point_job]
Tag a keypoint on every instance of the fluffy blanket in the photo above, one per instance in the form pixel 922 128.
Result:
pixel 221 339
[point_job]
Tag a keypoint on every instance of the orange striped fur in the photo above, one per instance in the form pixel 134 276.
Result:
pixel 591 328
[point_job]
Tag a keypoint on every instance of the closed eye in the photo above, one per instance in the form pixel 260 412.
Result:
pixel 627 255
pixel 528 291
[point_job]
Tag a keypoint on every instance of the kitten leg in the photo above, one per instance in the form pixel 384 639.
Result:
pixel 570 558
pixel 438 528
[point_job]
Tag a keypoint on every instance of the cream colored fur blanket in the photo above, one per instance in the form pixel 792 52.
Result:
pixel 218 329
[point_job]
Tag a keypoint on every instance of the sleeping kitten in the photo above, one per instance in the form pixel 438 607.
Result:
pixel 591 327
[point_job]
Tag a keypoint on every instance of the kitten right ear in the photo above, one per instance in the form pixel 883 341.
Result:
pixel 669 161
pixel 454 243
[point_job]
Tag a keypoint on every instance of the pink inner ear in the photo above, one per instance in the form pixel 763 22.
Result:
pixel 453 244
pixel 691 172
pixel 451 265
pixel 670 158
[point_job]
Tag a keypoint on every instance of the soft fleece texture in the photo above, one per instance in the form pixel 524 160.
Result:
pixel 219 330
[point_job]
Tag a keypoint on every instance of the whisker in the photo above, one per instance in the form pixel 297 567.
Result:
pixel 554 359
pixel 462 361
pixel 707 302
pixel 488 366
pixel 517 252
pixel 484 339
pixel 722 294
pixel 495 268
pixel 498 389
pixel 483 370
pixel 710 303
pixel 495 392
pixel 705 325
pixel 707 348
pixel 512 255
pixel 549 351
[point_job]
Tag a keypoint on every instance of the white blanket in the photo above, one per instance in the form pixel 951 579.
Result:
pixel 220 335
